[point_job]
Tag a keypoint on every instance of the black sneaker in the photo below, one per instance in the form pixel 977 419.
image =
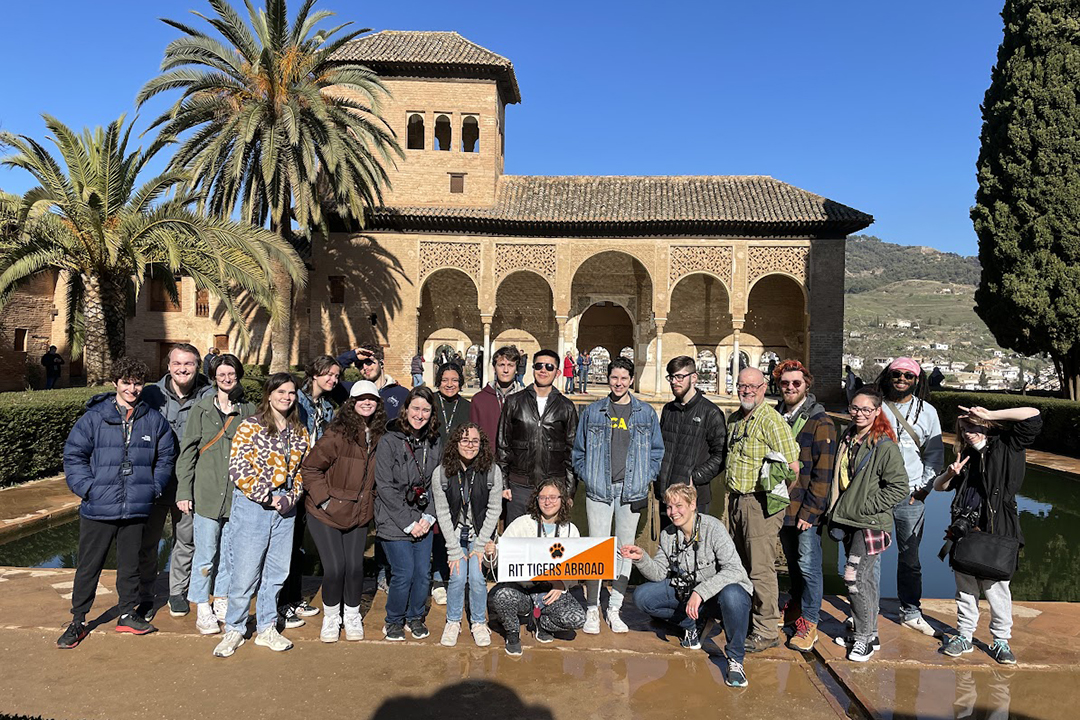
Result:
pixel 542 635
pixel 74 635
pixel 418 629
pixel 861 651
pixel 178 606
pixel 691 638
pixel 292 620
pixel 134 624
pixel 756 643
pixel 146 610
pixel 394 632
pixel 513 644
pixel 848 640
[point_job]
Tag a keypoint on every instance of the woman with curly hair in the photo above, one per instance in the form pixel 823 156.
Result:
pixel 467 487
pixel 554 610
pixel 339 475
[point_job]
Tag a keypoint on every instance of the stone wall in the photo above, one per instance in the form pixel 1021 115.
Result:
pixel 30 310
pixel 827 316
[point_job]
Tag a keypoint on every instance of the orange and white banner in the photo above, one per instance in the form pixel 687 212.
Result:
pixel 533 559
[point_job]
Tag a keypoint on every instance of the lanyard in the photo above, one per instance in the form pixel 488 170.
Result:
pixel 540 529
pixel 680 547
pixel 453 410
pixel 126 423
pixel 466 492
pixel 409 447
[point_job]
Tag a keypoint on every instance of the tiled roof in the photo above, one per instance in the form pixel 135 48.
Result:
pixel 624 205
pixel 440 54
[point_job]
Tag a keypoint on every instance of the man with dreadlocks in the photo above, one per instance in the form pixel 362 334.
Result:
pixel 915 421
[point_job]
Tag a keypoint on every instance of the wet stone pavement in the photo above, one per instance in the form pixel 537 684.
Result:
pixel 643 674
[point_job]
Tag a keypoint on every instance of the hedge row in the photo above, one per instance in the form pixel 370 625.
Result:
pixel 1061 418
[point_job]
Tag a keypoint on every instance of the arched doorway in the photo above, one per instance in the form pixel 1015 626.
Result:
pixel 606 325
pixel 776 316
pixel 707 371
pixel 449 315
pixel 524 307
pixel 598 370
pixel 473 369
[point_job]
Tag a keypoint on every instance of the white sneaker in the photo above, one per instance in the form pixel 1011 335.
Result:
pixel 438 596
pixel 221 607
pixel 919 624
pixel 205 621
pixel 450 633
pixel 232 640
pixel 354 626
pixel 331 628
pixel 592 621
pixel 272 639
pixel 481 634
pixel 616 622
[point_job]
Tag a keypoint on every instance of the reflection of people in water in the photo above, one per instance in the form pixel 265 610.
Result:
pixel 995 696
pixel 463 700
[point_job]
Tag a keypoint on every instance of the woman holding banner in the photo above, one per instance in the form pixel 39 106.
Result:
pixel 553 609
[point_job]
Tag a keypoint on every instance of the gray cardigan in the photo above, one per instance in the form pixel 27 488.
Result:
pixel 718 563
pixel 454 551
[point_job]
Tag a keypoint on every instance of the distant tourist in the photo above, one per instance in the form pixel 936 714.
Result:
pixel 918 430
pixel 937 378
pixel 851 383
pixel 53 364
pixel 118 458
pixel 871 480
pixel 479 367
pixel 801 534
pixel 522 366
pixel 584 362
pixel 416 368
pixel 486 406
pixel 987 475
pixel 208 359
pixel 264 465
pixel 568 373
pixel 695 574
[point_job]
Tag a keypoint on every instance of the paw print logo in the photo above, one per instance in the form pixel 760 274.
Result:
pixel 557 551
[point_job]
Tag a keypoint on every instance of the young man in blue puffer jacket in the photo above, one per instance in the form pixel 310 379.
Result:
pixel 118 458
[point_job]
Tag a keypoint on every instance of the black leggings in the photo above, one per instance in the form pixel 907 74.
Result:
pixel 342 556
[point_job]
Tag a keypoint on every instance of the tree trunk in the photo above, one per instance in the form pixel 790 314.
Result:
pixel 282 328
pixel 104 303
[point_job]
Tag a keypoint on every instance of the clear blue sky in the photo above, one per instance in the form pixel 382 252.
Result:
pixel 875 105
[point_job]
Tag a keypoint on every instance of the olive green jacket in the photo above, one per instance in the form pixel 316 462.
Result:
pixel 204 477
pixel 871 494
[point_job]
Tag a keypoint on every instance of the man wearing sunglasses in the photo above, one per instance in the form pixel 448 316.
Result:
pixel 918 429
pixel 536 436
pixel 369 360
pixel 800 536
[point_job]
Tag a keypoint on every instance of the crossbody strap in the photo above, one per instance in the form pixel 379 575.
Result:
pixel 907 426
pixel 220 434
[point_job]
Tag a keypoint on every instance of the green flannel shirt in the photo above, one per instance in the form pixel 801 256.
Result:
pixel 750 437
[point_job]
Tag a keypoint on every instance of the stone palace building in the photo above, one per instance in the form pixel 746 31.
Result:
pixel 464 258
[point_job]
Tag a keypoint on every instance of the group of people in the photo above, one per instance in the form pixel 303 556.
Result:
pixel 435 475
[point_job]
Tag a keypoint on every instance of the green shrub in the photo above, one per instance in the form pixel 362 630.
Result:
pixel 256 370
pixel 1061 418
pixel 351 375
pixel 253 387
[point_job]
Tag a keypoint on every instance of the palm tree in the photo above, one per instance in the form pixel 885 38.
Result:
pixel 275 131
pixel 106 234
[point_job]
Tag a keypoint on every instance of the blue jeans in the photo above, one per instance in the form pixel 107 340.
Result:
pixel 600 515
pixel 583 380
pixel 417 379
pixel 803 551
pixel 468 572
pixel 410 579
pixel 658 600
pixel 213 559
pixel 440 568
pixel 261 543
pixel 908 522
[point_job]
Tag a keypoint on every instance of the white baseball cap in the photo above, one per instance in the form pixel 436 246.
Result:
pixel 361 388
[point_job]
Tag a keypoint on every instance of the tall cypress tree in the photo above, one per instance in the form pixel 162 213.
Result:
pixel 1027 211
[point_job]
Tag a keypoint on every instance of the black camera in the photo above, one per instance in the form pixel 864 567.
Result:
pixel 683 585
pixel 416 495
pixel 963 522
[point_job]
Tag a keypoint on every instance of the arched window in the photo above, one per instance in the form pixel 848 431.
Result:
pixel 442 133
pixel 470 135
pixel 416 132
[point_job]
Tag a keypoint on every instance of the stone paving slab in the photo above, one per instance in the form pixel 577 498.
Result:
pixel 27 506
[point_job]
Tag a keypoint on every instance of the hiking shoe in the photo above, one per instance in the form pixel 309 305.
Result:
pixel 542 635
pixel 450 633
pixel 1000 651
pixel 232 640
pixel 861 651
pixel 736 676
pixel 691 638
pixel 756 643
pixel 615 622
pixel 592 621
pixel 146 610
pixel 331 628
pixel 354 626
pixel 417 628
pixel 919 624
pixel 292 620
pixel 271 638
pixel 305 609
pixel 805 636
pixel 205 620
pixel 133 624
pixel 513 644
pixel 221 607
pixel 957 645
pixel 848 640
pixel 178 606
pixel 481 634
pixel 394 632
pixel 74 635
pixel 438 595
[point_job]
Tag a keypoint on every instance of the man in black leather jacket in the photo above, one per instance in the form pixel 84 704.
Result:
pixel 536 435
pixel 695 436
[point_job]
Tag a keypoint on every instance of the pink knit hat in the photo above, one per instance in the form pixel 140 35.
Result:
pixel 906 363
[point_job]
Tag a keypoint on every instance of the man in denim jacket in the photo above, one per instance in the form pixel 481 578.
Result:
pixel 617 454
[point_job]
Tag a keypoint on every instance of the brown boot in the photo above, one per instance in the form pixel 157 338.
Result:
pixel 805 636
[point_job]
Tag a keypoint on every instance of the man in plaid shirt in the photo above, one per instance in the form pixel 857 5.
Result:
pixel 755 430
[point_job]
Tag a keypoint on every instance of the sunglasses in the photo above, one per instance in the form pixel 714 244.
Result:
pixel 368 361
pixel 544 366
pixel 897 374
pixel 791 383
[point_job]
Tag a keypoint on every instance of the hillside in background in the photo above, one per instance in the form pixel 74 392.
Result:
pixel 873 263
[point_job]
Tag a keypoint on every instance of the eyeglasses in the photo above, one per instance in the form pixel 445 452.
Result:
pixel 544 366
pixel 469 443
pixel 228 376
pixel 680 377
pixel 548 499
pixel 861 410
pixel 791 383
pixel 897 374
pixel 745 387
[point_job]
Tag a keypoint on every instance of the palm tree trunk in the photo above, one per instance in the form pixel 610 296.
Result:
pixel 104 302
pixel 281 330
